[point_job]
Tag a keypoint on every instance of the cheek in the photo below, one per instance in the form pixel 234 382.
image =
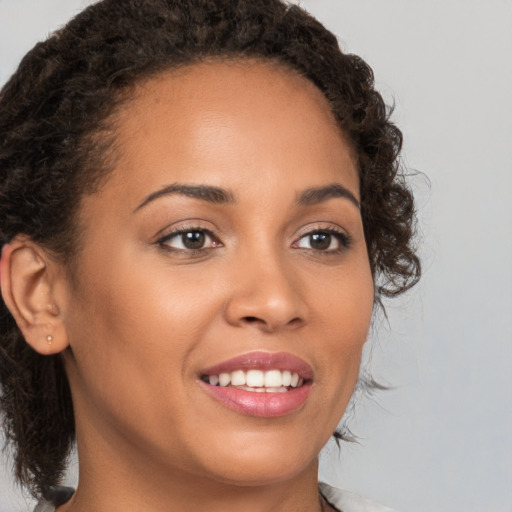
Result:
pixel 132 334
pixel 147 320
pixel 347 312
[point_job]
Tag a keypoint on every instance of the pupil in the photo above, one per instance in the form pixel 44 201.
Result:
pixel 193 239
pixel 320 241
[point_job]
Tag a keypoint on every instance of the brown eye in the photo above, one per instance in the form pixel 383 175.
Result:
pixel 324 241
pixel 193 239
pixel 320 241
pixel 189 240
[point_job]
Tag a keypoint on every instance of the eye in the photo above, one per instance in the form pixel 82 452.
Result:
pixel 326 240
pixel 189 240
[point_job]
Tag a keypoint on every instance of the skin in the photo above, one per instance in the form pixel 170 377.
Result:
pixel 140 319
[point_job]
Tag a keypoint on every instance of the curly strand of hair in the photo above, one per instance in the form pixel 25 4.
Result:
pixel 39 383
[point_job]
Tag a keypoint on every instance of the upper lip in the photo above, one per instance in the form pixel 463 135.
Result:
pixel 263 361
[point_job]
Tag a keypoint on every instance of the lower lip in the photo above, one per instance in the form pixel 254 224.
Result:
pixel 263 405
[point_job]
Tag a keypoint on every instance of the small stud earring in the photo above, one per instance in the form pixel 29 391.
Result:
pixel 49 339
pixel 53 308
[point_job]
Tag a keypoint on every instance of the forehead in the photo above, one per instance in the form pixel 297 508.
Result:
pixel 229 120
pixel 210 84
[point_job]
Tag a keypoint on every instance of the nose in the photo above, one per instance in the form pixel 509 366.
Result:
pixel 267 295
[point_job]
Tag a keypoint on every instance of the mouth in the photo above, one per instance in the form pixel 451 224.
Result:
pixel 257 381
pixel 260 384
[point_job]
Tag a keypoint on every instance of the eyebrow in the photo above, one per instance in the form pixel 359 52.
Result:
pixel 206 193
pixel 312 196
pixel 217 195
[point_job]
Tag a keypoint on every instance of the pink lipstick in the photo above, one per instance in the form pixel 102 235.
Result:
pixel 260 383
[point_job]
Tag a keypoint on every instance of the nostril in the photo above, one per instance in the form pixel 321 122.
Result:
pixel 295 321
pixel 252 319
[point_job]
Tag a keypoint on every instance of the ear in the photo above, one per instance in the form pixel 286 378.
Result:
pixel 29 280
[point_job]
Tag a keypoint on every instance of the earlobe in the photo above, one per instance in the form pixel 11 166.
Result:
pixel 27 280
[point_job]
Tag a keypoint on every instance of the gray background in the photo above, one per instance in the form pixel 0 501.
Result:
pixel 441 439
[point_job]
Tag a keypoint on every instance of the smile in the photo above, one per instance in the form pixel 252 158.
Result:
pixel 260 384
pixel 270 381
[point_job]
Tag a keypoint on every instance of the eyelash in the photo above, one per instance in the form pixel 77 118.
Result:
pixel 343 238
pixel 163 241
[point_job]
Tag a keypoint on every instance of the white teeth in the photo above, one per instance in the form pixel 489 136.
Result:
pixel 238 378
pixel 276 390
pixel 224 379
pixel 272 381
pixel 263 390
pixel 255 378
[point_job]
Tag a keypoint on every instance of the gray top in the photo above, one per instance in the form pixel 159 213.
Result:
pixel 54 497
pixel 346 501
pixel 343 501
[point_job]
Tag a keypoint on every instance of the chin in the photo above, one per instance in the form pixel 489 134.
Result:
pixel 263 473
pixel 264 460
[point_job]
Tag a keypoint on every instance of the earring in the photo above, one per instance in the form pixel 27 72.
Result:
pixel 49 339
pixel 53 308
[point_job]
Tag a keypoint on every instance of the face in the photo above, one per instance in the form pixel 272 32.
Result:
pixel 223 295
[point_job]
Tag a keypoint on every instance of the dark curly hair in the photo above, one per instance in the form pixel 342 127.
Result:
pixel 56 131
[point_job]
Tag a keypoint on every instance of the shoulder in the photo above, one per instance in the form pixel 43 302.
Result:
pixel 347 501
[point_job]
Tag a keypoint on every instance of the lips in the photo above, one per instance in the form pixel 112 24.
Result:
pixel 260 383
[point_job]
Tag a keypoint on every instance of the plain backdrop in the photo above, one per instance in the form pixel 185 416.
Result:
pixel 441 439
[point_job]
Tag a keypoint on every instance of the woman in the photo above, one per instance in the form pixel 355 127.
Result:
pixel 200 208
